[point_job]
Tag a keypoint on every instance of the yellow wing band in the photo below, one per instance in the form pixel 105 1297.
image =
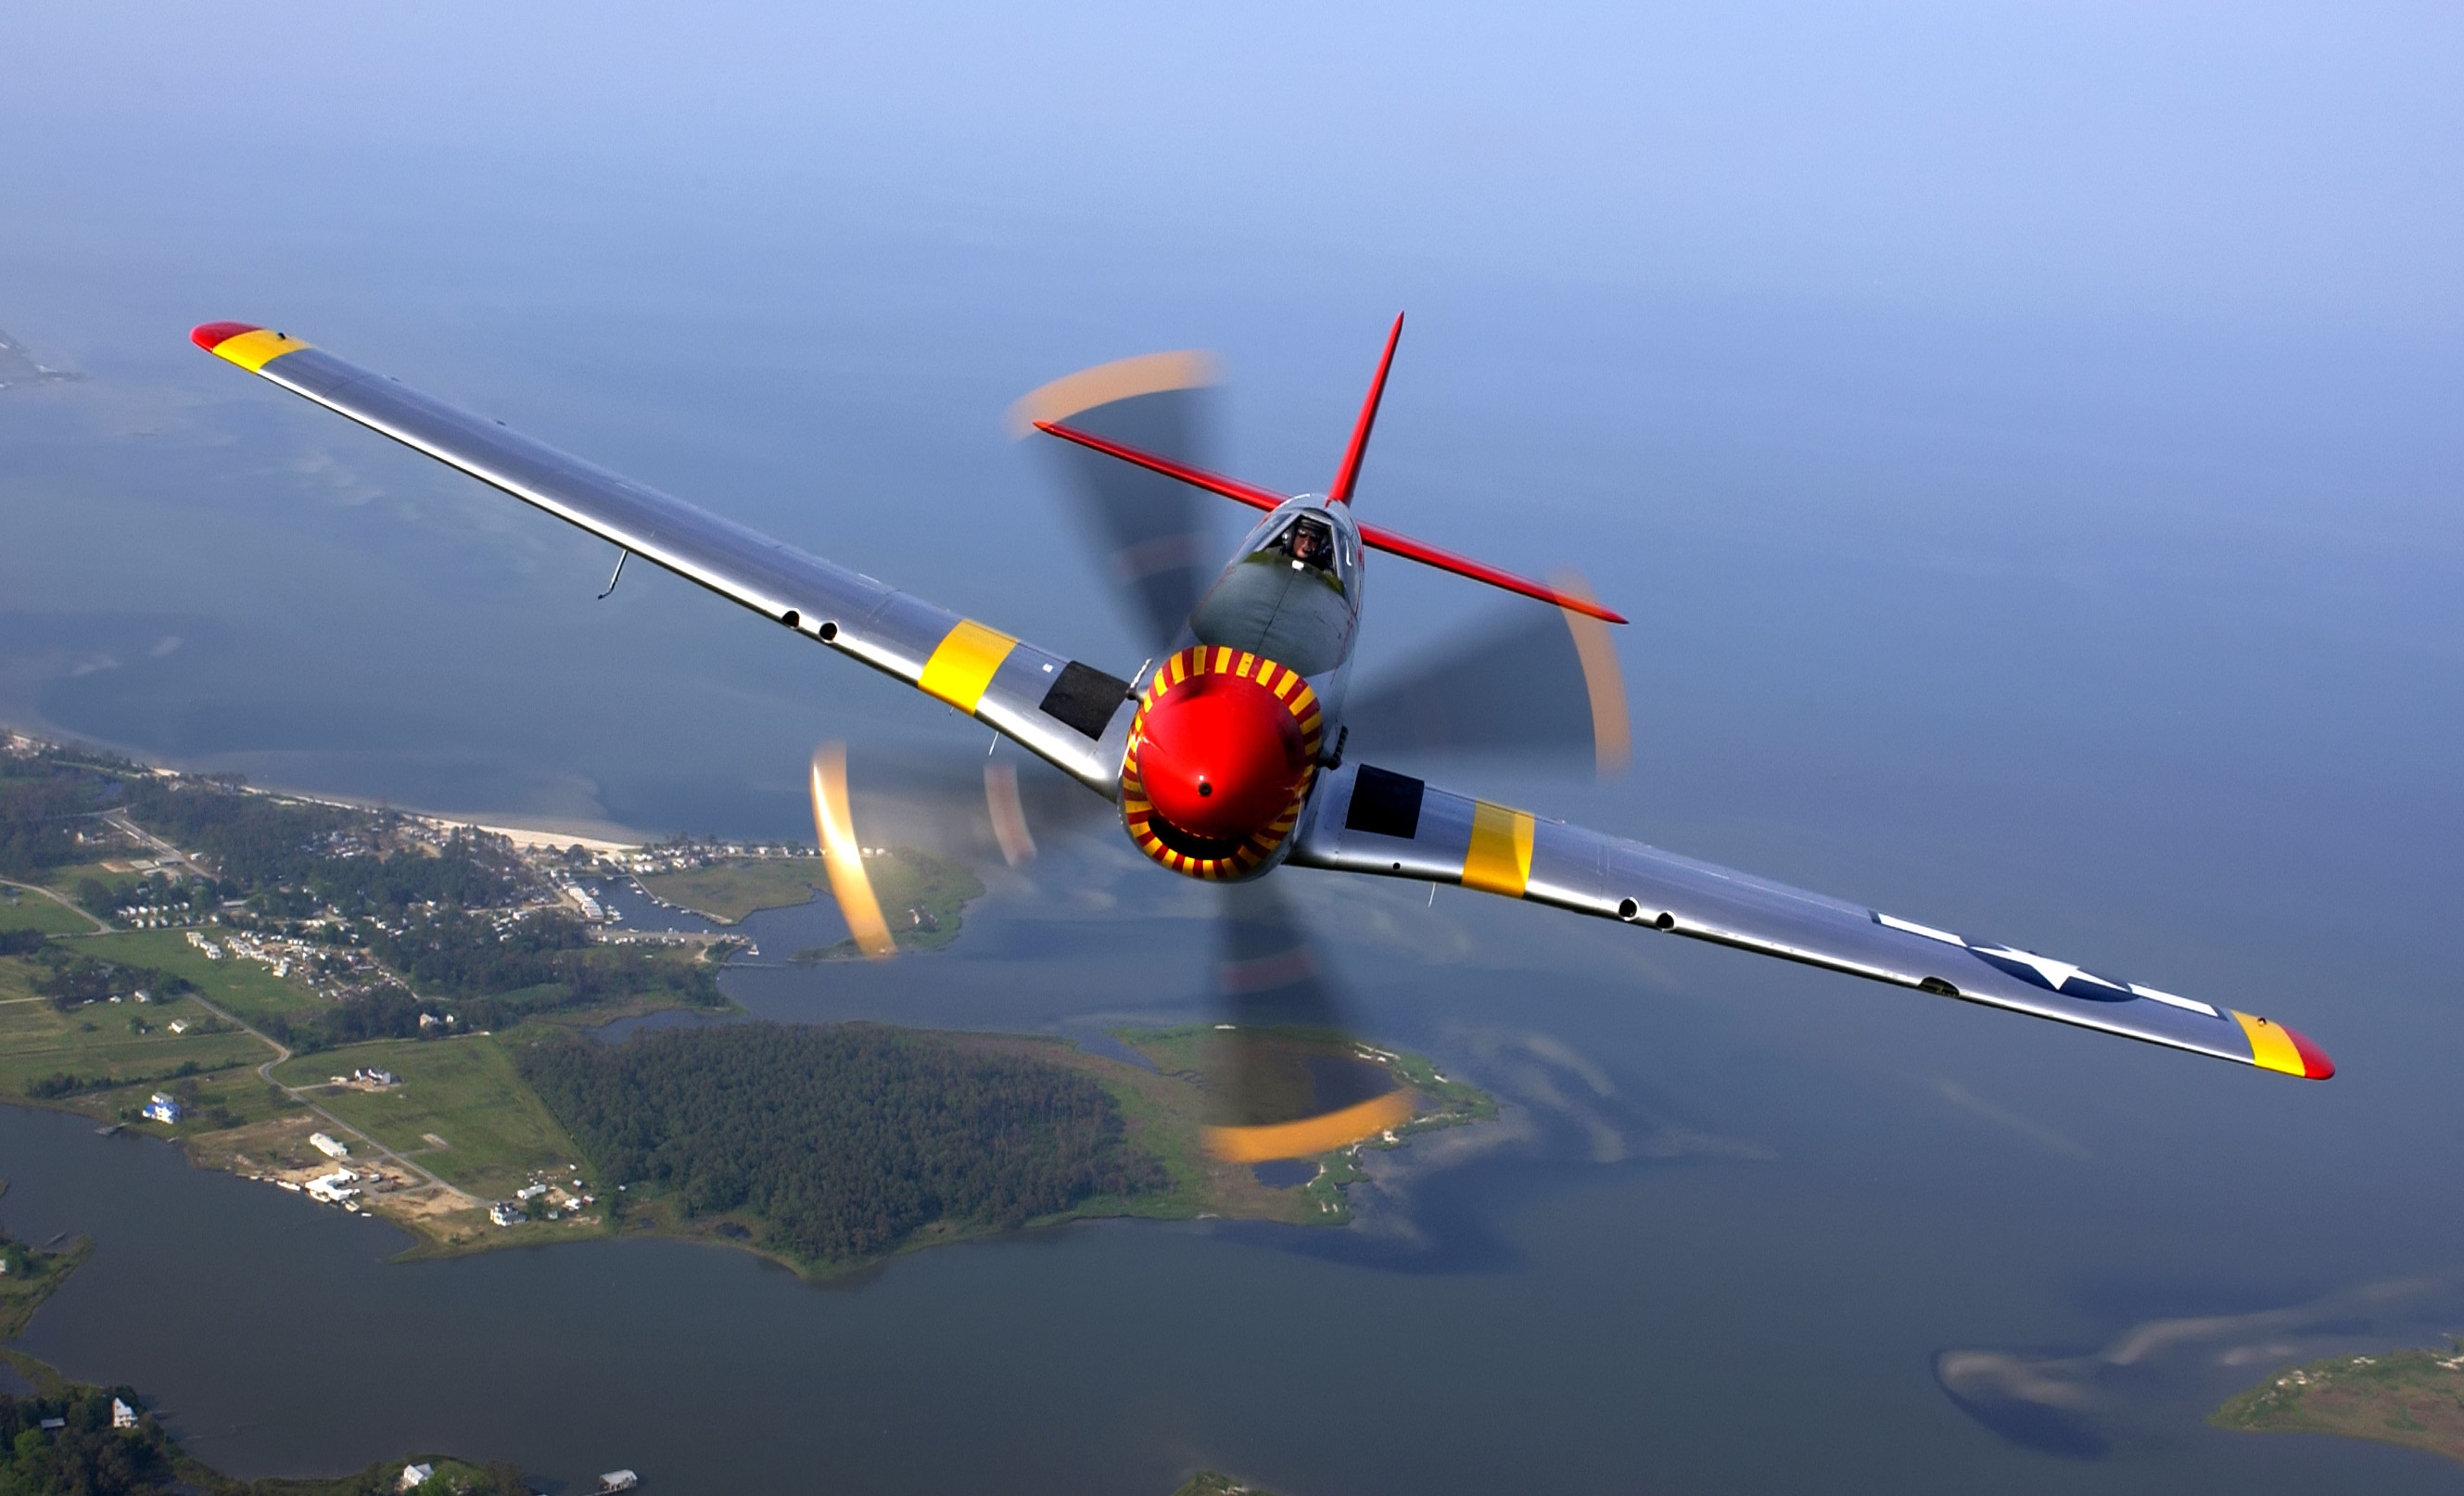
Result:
pixel 255 350
pixel 962 666
pixel 2271 1046
pixel 1500 858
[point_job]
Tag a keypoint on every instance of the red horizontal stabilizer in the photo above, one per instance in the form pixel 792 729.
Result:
pixel 1428 555
pixel 1212 482
pixel 1370 536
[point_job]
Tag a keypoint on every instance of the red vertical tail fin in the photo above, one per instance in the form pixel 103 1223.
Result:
pixel 1350 472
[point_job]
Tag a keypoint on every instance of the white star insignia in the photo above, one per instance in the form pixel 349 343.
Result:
pixel 2055 971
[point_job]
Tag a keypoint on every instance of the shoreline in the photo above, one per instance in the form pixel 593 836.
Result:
pixel 522 828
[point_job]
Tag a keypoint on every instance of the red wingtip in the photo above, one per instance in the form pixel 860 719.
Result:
pixel 210 335
pixel 2315 1064
pixel 1349 475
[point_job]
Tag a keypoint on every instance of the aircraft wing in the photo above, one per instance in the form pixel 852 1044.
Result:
pixel 1364 819
pixel 1071 714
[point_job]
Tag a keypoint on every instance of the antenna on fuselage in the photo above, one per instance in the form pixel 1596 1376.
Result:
pixel 1349 473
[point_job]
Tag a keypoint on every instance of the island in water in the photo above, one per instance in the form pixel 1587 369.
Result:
pixel 2413 1398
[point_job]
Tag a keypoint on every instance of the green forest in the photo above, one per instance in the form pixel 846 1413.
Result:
pixel 86 1455
pixel 46 798
pixel 318 855
pixel 841 1142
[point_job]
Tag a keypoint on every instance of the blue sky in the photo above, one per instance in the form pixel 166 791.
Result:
pixel 2285 163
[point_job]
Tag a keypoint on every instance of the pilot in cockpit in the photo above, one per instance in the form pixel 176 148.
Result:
pixel 1309 543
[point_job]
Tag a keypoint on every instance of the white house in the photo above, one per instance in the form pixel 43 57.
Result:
pixel 123 1415
pixel 414 1475
pixel 162 1108
pixel 334 1188
pixel 327 1146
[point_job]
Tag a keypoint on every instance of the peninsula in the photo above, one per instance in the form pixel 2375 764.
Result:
pixel 2413 1398
pixel 384 1012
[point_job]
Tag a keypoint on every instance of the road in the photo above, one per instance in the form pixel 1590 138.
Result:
pixel 118 820
pixel 299 1094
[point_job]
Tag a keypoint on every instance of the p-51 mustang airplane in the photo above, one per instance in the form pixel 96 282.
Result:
pixel 1227 756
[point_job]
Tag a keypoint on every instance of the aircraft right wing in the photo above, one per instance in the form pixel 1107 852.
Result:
pixel 1073 715
pixel 1363 819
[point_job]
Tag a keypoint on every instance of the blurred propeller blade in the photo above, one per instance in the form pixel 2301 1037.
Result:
pixel 1284 1077
pixel 842 857
pixel 1521 680
pixel 961 805
pixel 1154 538
pixel 1008 813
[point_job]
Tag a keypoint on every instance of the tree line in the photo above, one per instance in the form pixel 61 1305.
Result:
pixel 316 855
pixel 481 976
pixel 845 1141
pixel 87 1457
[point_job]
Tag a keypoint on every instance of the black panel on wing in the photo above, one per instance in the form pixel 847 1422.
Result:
pixel 1384 805
pixel 1154 537
pixel 1517 681
pixel 1085 699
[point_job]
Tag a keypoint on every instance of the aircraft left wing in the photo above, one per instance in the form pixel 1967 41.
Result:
pixel 1363 819
pixel 1071 714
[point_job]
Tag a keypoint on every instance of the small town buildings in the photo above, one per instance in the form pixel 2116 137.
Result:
pixel 178 1026
pixel 123 1415
pixel 50 1424
pixel 618 1480
pixel 327 1146
pixel 164 1108
pixel 505 1213
pixel 414 1475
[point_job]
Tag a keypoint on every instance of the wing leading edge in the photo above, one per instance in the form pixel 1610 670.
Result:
pixel 1070 714
pixel 1366 820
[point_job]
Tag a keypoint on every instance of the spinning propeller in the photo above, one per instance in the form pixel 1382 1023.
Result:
pixel 1285 1077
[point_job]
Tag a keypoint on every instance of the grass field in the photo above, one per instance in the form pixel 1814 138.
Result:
pixel 38 1040
pixel 248 990
pixel 23 1291
pixel 497 1133
pixel 23 911
pixel 729 891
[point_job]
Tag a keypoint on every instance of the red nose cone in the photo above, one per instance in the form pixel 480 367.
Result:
pixel 1221 756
